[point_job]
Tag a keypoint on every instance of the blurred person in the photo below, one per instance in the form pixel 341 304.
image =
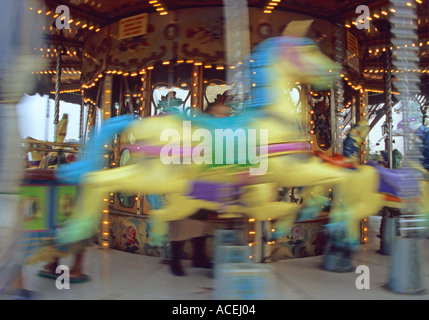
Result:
pixel 59 157
pixel 76 275
pixel 218 109
pixel 192 229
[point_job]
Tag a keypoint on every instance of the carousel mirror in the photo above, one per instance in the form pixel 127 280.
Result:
pixel 295 95
pixel 113 153
pixel 321 118
pixel 131 98
pixel 126 200
pixel 167 98
pixel 218 90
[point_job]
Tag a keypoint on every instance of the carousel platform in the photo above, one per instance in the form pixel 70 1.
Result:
pixel 118 275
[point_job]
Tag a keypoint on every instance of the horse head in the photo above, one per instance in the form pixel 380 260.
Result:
pixel 279 62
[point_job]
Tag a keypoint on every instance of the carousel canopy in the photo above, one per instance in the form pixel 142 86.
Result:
pixel 89 17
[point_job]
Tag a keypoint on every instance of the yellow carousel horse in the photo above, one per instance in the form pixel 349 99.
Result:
pixel 234 164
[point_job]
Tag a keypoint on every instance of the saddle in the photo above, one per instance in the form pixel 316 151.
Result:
pixel 336 159
pixel 394 183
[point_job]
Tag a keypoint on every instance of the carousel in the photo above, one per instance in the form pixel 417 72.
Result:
pixel 145 59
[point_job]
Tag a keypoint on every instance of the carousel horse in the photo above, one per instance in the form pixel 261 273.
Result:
pixel 53 159
pixel 185 158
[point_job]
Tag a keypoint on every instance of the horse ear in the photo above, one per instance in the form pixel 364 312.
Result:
pixel 298 29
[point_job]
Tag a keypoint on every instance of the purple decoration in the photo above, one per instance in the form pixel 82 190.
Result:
pixel 215 192
pixel 187 152
pixel 396 182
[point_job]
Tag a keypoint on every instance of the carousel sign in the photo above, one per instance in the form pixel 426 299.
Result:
pixel 352 52
pixel 133 26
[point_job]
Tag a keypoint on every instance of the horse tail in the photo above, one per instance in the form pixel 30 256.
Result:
pixel 91 161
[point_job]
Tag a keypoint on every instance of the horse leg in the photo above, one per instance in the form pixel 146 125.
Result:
pixel 150 177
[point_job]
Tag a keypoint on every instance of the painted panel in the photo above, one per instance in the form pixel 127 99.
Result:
pixel 304 240
pixel 33 207
pixel 64 202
